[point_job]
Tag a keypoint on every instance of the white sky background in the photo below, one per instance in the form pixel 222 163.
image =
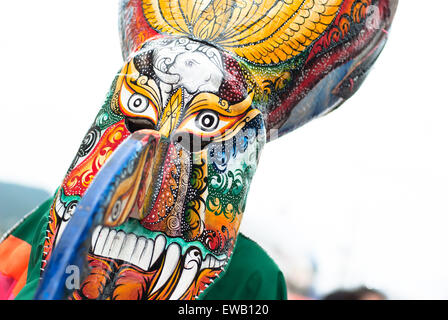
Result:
pixel 361 191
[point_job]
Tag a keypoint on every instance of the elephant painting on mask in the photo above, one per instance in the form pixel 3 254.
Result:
pixel 151 205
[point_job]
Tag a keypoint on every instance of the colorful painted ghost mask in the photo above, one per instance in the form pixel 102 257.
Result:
pixel 184 197
pixel 204 86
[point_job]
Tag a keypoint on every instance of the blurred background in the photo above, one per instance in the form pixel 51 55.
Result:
pixel 355 198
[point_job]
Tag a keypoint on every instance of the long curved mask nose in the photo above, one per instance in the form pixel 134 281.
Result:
pixel 138 188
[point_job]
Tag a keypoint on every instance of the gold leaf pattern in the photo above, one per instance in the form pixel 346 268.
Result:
pixel 262 32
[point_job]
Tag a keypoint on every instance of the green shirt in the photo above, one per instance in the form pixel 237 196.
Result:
pixel 251 275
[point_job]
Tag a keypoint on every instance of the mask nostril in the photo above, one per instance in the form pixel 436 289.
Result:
pixel 135 124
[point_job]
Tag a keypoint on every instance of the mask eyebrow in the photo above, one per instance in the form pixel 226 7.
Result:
pixel 142 84
pixel 211 101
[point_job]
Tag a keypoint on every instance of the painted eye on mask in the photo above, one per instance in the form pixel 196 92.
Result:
pixel 203 127
pixel 206 123
pixel 136 105
pixel 211 119
pixel 207 120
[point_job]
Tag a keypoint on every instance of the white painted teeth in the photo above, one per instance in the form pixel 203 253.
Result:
pixel 138 251
pixel 99 243
pixel 206 262
pixel 169 265
pixel 95 234
pixel 212 263
pixel 192 263
pixel 128 248
pixel 144 253
pixel 145 260
pixel 108 244
pixel 159 246
pixel 117 244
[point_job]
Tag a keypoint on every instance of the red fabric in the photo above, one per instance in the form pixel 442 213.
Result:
pixel 14 258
